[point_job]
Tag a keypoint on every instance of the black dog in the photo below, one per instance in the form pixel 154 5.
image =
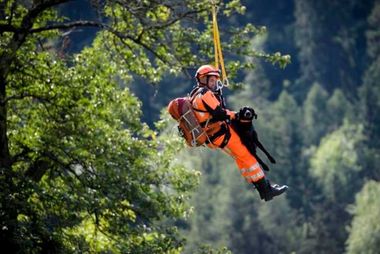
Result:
pixel 244 127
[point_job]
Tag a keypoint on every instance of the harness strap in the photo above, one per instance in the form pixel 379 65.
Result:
pixel 199 110
pixel 226 139
pixel 223 131
pixel 207 122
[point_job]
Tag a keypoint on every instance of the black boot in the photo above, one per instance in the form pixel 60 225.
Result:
pixel 268 191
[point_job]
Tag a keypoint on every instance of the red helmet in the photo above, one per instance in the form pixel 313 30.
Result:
pixel 206 70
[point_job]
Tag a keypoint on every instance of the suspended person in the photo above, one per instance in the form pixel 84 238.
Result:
pixel 210 110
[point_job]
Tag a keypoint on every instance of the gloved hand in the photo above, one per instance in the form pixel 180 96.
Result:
pixel 247 114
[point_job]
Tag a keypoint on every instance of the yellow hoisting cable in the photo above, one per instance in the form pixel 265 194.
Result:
pixel 214 32
pixel 217 46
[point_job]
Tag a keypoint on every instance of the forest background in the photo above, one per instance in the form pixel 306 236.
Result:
pixel 91 162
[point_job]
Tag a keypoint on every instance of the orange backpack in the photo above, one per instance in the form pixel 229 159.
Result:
pixel 182 111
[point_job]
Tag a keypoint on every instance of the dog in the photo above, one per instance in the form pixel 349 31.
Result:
pixel 243 125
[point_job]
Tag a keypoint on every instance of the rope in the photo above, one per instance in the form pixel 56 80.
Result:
pixel 217 46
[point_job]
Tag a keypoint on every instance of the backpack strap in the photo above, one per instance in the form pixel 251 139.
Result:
pixel 194 94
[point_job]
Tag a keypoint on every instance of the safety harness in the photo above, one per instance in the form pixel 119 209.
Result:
pixel 214 129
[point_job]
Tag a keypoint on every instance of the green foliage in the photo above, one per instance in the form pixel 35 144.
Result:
pixel 283 121
pixel 324 29
pixel 364 231
pixel 280 222
pixel 335 163
pixel 369 95
pixel 122 182
pixel 339 108
pixel 314 109
pixel 212 197
pixel 373 31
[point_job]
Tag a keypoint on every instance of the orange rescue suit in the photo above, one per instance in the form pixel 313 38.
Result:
pixel 211 113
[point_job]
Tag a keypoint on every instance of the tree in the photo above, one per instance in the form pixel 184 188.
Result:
pixel 338 109
pixel 282 122
pixel 364 233
pixel 331 53
pixel 257 86
pixel 278 17
pixel 314 109
pixel 77 140
pixel 369 95
pixel 211 200
pixel 335 163
pixel 337 168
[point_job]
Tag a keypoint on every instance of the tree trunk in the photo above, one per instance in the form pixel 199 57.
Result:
pixel 8 215
pixel 5 161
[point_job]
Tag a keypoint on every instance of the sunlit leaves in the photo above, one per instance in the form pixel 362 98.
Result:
pixel 335 164
pixel 364 231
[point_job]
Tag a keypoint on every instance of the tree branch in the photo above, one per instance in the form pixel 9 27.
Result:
pixel 21 33
pixel 22 96
pixel 21 155
pixel 87 23
pixel 38 169
pixel 7 28
pixel 70 25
